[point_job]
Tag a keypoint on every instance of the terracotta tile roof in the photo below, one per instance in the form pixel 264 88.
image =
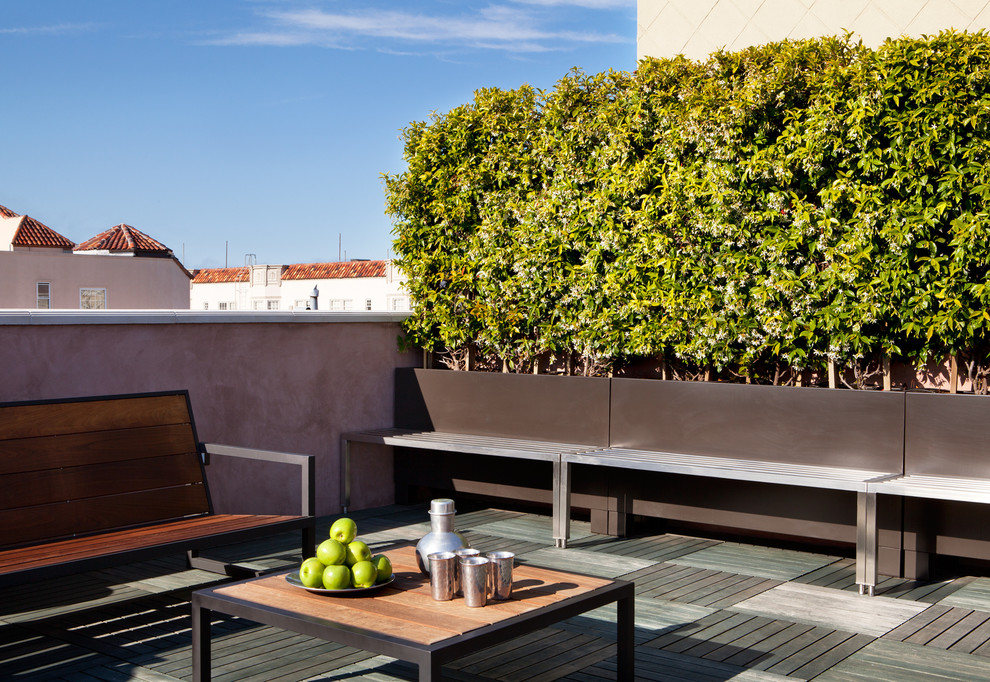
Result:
pixel 219 275
pixel 31 232
pixel 7 213
pixel 125 238
pixel 364 268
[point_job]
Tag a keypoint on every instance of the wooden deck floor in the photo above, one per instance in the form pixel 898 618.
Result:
pixel 705 610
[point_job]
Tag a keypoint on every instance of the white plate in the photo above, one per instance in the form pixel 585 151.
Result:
pixel 293 579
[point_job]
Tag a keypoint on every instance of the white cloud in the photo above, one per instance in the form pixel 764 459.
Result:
pixel 55 29
pixel 496 27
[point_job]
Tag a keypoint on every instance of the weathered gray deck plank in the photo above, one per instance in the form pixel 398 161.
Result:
pixel 885 659
pixel 974 595
pixel 762 562
pixel 832 608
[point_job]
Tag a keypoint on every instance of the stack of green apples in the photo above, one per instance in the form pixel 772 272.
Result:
pixel 342 562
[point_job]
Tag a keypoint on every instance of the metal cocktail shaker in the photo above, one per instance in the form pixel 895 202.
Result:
pixel 442 536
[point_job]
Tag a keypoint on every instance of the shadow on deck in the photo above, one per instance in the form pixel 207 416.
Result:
pixel 705 610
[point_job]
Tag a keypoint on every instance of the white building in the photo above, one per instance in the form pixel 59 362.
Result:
pixel 353 285
pixel 695 28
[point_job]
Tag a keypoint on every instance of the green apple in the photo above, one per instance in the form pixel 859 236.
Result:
pixel 343 530
pixel 331 552
pixel 364 574
pixel 357 551
pixel 384 567
pixel 311 572
pixel 336 577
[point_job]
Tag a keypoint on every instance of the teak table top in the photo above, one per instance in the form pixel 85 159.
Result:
pixel 405 610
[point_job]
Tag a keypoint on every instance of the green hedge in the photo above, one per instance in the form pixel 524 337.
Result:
pixel 760 212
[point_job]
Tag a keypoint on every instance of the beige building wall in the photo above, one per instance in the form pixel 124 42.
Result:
pixel 129 282
pixel 696 28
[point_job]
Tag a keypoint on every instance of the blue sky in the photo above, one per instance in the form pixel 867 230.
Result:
pixel 229 127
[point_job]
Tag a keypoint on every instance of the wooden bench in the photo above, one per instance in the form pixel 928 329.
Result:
pixel 95 482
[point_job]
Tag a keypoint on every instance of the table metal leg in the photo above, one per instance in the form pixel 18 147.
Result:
pixel 866 542
pixel 561 502
pixel 430 672
pixel 625 626
pixel 200 642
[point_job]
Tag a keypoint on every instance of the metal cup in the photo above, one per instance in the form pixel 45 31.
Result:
pixel 474 580
pixel 500 572
pixel 461 553
pixel 443 567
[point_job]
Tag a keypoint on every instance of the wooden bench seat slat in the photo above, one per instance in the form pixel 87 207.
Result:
pixel 44 419
pixel 54 451
pixel 35 488
pixel 51 521
pixel 133 538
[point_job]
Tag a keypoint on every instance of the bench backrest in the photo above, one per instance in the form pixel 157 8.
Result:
pixel 842 428
pixel 946 435
pixel 524 406
pixel 78 466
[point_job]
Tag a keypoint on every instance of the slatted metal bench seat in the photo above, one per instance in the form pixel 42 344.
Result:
pixel 858 481
pixel 471 444
pixel 946 458
pixel 96 482
pixel 843 441
pixel 524 417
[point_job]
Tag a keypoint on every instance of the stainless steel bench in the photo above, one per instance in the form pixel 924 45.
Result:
pixel 860 481
pixel 472 444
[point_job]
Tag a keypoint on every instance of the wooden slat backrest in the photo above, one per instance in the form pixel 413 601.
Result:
pixel 74 467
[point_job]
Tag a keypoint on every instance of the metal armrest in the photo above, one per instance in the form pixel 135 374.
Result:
pixel 307 464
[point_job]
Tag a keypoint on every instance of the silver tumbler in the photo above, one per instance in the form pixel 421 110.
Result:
pixel 500 573
pixel 443 567
pixel 461 553
pixel 474 580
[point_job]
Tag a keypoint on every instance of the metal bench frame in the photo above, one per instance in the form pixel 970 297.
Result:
pixel 546 451
pixel 564 455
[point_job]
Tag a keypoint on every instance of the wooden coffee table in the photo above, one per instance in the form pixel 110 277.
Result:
pixel 403 621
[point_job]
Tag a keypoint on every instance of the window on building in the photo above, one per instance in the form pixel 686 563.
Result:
pixel 45 295
pixel 367 304
pixel 341 304
pixel 273 305
pixel 92 299
pixel 257 305
pixel 398 303
pixel 226 305
pixel 206 306
pixel 300 304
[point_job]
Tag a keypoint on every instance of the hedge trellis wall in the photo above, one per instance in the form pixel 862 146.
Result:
pixel 756 215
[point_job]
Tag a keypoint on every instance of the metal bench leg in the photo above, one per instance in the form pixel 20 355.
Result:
pixel 561 502
pixel 345 474
pixel 866 542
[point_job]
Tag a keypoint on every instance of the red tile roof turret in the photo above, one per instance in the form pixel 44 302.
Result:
pixel 220 275
pixel 124 238
pixel 345 270
pixel 31 232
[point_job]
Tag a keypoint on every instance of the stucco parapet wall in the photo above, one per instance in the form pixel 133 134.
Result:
pixel 57 317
